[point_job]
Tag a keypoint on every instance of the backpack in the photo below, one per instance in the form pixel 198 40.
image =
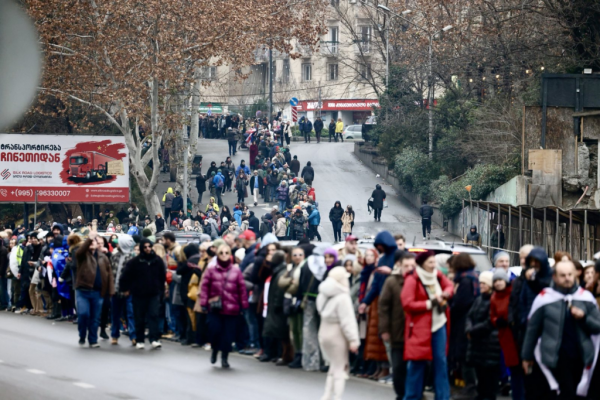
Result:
pixel 220 183
pixel 133 231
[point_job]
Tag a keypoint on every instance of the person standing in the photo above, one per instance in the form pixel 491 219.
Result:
pixel 318 125
pixel 308 127
pixel 426 212
pixel 256 184
pixel 200 186
pixel 223 295
pixel 335 216
pixel 562 337
pixel 391 318
pixel 483 349
pixel 308 174
pixel 473 237
pixel 425 301
pixel 231 141
pixel 339 130
pixel 287 132
pixel 347 221
pixel 144 279
pixel 497 239
pixel 119 258
pixel 93 281
pixel 159 222
pixel 282 195
pixel 332 130
pixel 378 197
pixel 241 187
pixel 338 332
pixel 177 205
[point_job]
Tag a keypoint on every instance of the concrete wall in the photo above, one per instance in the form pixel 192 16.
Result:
pixel 513 192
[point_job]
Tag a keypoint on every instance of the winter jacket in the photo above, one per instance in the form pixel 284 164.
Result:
pixel 318 125
pixel 335 214
pixel 391 313
pixel 378 196
pixel 297 224
pixel 315 217
pixel 483 348
pixel 426 211
pixel 347 219
pixel 547 323
pixel 417 335
pixel 335 307
pixel 308 173
pixel 144 276
pixel 237 215
pixel 308 126
pixel 473 238
pixel 187 269
pixel 497 239
pixel 260 184
pixel 282 193
pixel 499 316
pixel 332 128
pixel 229 287
pixel 281 227
pixel 339 127
pixel 275 325
pixel 253 223
pixel 87 266
pixel 177 204
pixel 168 198
pixel 242 168
pixel 241 186
pixel 295 167
pixel 467 290
pixel 531 288
pixel 201 183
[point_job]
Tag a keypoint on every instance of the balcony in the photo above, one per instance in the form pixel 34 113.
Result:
pixel 363 48
pixel 305 50
pixel 330 49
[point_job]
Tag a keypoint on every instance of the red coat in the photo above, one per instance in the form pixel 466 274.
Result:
pixel 499 309
pixel 253 153
pixel 232 292
pixel 417 334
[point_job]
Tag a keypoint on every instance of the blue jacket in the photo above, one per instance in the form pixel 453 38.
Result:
pixel 133 230
pixel 244 168
pixel 315 217
pixel 302 124
pixel 177 204
pixel 218 178
pixel 387 259
pixel 308 126
pixel 237 215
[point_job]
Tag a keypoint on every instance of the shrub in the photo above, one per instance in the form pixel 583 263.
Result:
pixel 414 170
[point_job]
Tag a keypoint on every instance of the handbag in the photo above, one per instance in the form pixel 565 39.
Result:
pixel 216 303
pixel 193 289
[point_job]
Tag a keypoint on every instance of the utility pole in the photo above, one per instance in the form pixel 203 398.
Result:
pixel 270 84
pixel 319 101
pixel 430 99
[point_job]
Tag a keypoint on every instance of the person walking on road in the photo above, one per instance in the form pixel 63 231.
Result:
pixel 168 201
pixel 200 186
pixel 332 130
pixel 144 279
pixel 223 295
pixel 335 216
pixel 241 187
pixel 339 130
pixel 308 174
pixel 282 195
pixel 295 166
pixel 256 186
pixel 287 132
pixel 314 220
pixel 231 140
pixel 318 125
pixel 426 212
pixel 562 337
pixel 93 282
pixel 338 332
pixel 378 197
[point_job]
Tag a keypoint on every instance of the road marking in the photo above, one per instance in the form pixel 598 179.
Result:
pixel 84 385
pixel 35 371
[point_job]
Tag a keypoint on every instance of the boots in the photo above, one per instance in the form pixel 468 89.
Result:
pixel 297 362
pixel 224 363
pixel 213 356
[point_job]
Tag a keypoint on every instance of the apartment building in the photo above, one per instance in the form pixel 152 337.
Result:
pixel 340 78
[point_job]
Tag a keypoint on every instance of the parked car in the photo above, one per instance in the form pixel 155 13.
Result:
pixel 352 132
pixel 480 257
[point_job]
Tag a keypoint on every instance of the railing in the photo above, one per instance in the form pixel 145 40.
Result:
pixel 362 47
pixel 330 48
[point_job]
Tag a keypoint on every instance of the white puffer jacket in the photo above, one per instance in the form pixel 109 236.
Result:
pixel 335 306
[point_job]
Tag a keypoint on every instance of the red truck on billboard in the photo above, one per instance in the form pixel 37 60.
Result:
pixel 88 165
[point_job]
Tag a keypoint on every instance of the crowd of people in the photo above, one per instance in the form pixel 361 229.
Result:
pixel 414 320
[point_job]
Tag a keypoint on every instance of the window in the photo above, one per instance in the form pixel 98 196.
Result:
pixel 365 71
pixel 286 70
pixel 332 72
pixel 306 72
pixel 209 73
pixel 365 38
pixel 334 36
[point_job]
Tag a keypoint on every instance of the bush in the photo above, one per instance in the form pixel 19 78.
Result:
pixel 415 171
pixel 484 178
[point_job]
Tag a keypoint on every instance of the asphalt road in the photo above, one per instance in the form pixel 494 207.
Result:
pixel 339 175
pixel 42 360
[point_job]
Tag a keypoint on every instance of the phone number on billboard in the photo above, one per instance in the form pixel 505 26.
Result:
pixel 58 193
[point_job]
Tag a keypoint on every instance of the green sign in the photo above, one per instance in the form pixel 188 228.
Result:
pixel 215 108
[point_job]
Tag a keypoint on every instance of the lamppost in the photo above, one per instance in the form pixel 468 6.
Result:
pixel 430 82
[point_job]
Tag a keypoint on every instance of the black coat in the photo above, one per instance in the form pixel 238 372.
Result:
pixel 201 183
pixel 335 214
pixel 144 277
pixel 484 347
pixel 186 273
pixel 318 125
pixel 426 211
pixel 378 196
pixel 295 166
pixel 332 128
pixel 308 173
pixel 160 224
pixel 461 303
pixel 254 224
pixel 276 326
pixel 177 204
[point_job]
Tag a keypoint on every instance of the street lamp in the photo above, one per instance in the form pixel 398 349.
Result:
pixel 430 83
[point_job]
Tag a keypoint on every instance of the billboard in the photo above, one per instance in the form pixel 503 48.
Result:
pixel 64 169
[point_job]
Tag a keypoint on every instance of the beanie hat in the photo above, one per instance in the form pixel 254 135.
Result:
pixel 240 253
pixel 500 274
pixel 499 255
pixel 487 277
pixel 422 257
pixel 340 275
pixel 146 232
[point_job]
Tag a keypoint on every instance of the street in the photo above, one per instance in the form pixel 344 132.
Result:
pixel 339 175
pixel 41 360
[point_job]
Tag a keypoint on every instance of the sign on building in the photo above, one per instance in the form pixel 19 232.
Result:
pixel 65 169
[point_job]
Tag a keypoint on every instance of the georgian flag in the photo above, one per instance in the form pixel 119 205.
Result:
pixel 548 296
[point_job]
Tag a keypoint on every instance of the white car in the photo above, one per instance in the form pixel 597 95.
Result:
pixel 352 132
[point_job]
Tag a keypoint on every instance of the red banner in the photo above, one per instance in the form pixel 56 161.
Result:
pixel 338 105
pixel 64 194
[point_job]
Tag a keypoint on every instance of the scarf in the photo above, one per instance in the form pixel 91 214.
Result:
pixel 316 265
pixel 548 296
pixel 433 288
pixel 473 276
pixel 365 274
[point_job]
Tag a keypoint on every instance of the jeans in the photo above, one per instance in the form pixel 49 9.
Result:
pixel 89 307
pixel 517 383
pixel 4 300
pixel 337 230
pixel 232 144
pixel 339 134
pixel 118 303
pixel 272 193
pixel 282 204
pixel 218 193
pixel 318 133
pixel 416 371
pixel 146 309
pixel 378 214
pixel 250 317
pixel 426 224
pixel 221 330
